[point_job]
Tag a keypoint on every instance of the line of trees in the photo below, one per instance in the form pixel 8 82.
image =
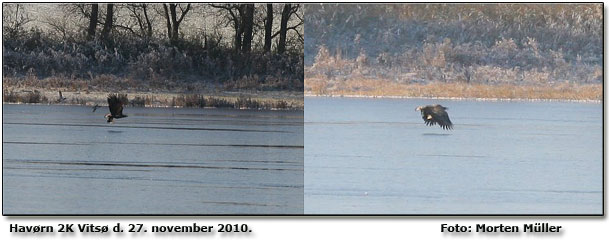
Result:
pixel 224 42
pixel 240 16
pixel 242 19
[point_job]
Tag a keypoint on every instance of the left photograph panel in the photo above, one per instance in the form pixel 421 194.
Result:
pixel 152 109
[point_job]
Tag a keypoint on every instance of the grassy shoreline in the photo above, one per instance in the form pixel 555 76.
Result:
pixel 455 98
pixel 390 89
pixel 260 100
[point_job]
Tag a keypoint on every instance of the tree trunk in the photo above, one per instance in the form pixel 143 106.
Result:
pixel 285 16
pixel 148 23
pixel 109 22
pixel 248 28
pixel 238 34
pixel 238 21
pixel 92 22
pixel 268 28
pixel 174 22
pixel 168 21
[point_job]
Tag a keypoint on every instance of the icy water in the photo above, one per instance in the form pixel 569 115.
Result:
pixel 68 160
pixel 376 156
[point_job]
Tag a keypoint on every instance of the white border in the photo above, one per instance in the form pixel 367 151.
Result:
pixel 323 227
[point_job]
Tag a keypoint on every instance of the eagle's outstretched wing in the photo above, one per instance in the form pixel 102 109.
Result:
pixel 115 104
pixel 433 114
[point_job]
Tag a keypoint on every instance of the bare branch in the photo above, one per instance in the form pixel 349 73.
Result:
pixel 183 12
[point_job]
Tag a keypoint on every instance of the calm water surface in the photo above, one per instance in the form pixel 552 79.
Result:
pixel 68 160
pixel 377 156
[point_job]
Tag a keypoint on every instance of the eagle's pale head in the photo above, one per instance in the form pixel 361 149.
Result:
pixel 418 108
pixel 109 117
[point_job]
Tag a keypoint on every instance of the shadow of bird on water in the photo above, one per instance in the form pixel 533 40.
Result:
pixel 436 134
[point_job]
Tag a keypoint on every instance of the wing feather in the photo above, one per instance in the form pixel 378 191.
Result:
pixel 115 105
pixel 441 117
pixel 436 114
pixel 123 101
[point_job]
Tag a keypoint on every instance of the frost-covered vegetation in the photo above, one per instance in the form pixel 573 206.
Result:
pixel 184 48
pixel 379 49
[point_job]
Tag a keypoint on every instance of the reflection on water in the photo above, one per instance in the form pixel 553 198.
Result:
pixel 68 160
pixel 377 156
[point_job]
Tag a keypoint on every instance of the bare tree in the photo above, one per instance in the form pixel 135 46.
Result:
pixel 289 10
pixel 92 21
pixel 234 13
pixel 168 21
pixel 173 21
pixel 148 21
pixel 14 18
pixel 248 27
pixel 268 28
pixel 108 22
pixel 140 14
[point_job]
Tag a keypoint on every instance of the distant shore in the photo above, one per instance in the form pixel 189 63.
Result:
pixel 372 88
pixel 455 98
pixel 262 100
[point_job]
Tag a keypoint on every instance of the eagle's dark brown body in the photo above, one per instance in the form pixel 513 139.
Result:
pixel 116 103
pixel 436 113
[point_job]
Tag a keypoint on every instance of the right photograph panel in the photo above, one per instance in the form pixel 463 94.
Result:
pixel 466 109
